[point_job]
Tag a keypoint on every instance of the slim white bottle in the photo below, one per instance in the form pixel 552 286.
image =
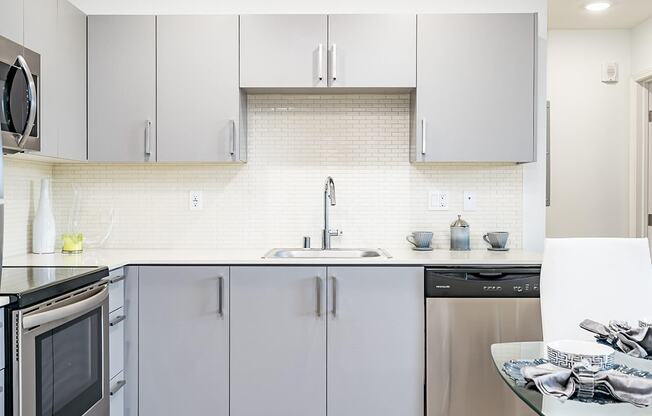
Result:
pixel 43 229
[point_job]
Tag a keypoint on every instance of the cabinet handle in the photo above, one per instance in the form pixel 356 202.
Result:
pixel 148 138
pixel 117 320
pixel 320 62
pixel 424 136
pixel 232 151
pixel 220 296
pixel 118 386
pixel 117 279
pixel 334 63
pixel 334 295
pixel 319 284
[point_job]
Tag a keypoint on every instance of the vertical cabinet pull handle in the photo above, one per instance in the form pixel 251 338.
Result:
pixel 220 296
pixel 334 63
pixel 148 138
pixel 424 136
pixel 117 387
pixel 320 62
pixel 319 285
pixel 232 148
pixel 334 280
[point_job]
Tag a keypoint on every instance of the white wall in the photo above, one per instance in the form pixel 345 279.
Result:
pixel 589 134
pixel 642 48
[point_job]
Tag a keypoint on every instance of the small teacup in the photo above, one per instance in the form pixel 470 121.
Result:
pixel 496 239
pixel 420 239
pixel 645 322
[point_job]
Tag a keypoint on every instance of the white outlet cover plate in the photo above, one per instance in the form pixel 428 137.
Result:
pixel 438 200
pixel 195 202
pixel 470 201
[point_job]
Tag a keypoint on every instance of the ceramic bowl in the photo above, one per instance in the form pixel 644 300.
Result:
pixel 566 353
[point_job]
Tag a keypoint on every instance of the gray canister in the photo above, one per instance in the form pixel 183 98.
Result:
pixel 460 235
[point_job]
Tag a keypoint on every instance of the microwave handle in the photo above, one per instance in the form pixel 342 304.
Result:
pixel 87 304
pixel 31 118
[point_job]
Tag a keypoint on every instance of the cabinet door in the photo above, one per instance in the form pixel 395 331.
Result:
pixel 198 99
pixel 183 341
pixel 475 93
pixel 375 341
pixel 122 88
pixel 11 20
pixel 71 82
pixel 283 50
pixel 372 50
pixel 278 341
pixel 40 35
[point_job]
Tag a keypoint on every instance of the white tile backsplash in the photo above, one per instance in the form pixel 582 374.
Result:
pixel 295 141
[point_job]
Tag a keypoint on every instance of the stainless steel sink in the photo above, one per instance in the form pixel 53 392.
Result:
pixel 334 253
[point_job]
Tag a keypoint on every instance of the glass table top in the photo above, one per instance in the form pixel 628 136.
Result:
pixel 550 406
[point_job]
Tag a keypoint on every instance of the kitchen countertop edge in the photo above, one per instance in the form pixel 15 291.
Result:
pixel 116 258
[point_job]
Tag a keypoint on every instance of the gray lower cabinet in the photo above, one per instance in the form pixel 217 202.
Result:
pixel 475 95
pixel 278 341
pixel 282 51
pixel 122 88
pixel 372 51
pixel 375 341
pixel 70 105
pixel 184 341
pixel 198 96
pixel 11 20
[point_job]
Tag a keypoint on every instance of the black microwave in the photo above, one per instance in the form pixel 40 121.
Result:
pixel 19 103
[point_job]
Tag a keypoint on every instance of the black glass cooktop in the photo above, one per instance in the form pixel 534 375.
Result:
pixel 29 285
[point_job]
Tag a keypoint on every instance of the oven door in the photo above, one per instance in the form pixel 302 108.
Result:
pixel 19 76
pixel 61 367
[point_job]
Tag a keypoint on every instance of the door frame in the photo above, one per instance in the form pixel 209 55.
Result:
pixel 639 154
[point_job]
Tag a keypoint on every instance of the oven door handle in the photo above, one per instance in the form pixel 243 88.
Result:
pixel 31 117
pixel 85 305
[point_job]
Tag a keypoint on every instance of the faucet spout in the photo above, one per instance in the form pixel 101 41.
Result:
pixel 329 200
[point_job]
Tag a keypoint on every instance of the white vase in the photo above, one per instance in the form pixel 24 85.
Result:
pixel 43 229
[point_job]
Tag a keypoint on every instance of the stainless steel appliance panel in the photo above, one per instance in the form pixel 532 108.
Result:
pixel 461 378
pixel 61 355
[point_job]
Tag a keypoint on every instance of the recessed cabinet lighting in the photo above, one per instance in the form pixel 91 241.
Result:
pixel 597 6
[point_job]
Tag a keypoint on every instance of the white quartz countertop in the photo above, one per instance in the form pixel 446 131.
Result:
pixel 114 258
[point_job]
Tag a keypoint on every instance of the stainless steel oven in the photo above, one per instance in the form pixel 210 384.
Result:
pixel 60 355
pixel 19 105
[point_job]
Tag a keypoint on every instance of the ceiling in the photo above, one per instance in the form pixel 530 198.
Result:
pixel 623 14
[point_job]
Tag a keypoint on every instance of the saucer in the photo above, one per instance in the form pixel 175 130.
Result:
pixel 422 248
pixel 498 249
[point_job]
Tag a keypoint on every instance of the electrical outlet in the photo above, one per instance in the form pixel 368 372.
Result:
pixel 195 202
pixel 438 200
pixel 470 201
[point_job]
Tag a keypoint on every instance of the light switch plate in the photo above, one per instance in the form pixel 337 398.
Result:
pixel 195 202
pixel 438 200
pixel 470 201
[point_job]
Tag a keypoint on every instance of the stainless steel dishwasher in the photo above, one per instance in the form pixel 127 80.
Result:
pixel 467 310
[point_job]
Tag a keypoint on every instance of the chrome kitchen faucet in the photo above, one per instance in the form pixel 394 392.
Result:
pixel 327 233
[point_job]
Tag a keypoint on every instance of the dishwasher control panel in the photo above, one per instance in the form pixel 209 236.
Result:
pixel 481 282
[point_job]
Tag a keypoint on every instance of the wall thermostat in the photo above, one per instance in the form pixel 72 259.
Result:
pixel 610 72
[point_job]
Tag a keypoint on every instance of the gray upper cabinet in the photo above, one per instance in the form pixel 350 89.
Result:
pixel 372 50
pixel 283 51
pixel 475 96
pixel 122 88
pixel 375 341
pixel 183 341
pixel 278 341
pixel 71 82
pixel 40 35
pixel 11 20
pixel 198 115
